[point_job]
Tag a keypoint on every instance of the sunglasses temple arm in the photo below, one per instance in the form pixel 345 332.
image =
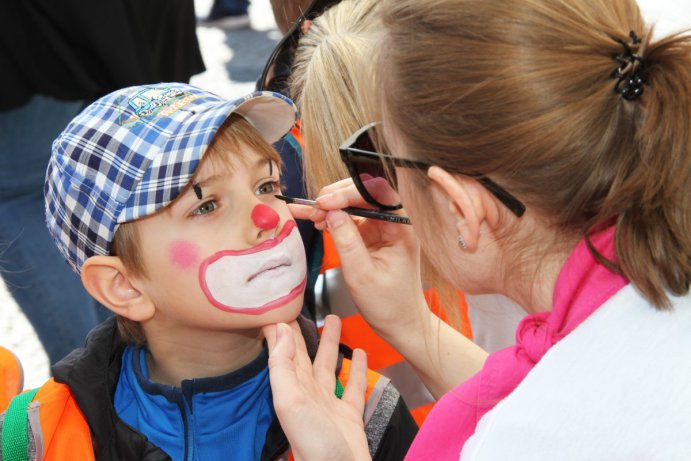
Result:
pixel 511 202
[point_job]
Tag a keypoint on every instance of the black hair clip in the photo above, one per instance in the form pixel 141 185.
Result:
pixel 628 73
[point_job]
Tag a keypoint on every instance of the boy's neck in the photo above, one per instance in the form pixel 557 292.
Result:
pixel 173 358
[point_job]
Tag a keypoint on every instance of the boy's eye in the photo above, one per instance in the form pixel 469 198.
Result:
pixel 269 187
pixel 205 208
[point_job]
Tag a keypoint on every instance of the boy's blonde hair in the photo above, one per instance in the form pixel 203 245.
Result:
pixel 234 137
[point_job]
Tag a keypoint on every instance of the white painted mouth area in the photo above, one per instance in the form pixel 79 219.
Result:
pixel 251 281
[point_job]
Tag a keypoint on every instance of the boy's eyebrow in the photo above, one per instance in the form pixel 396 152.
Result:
pixel 260 163
pixel 197 185
pixel 205 181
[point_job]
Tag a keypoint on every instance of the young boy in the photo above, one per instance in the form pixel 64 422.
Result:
pixel 162 198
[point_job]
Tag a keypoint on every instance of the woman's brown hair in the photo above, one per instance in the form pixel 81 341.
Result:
pixel 523 91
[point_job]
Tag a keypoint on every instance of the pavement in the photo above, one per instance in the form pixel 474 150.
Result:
pixel 234 59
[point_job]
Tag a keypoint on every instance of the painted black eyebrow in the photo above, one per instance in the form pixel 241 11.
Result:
pixel 197 190
pixel 271 167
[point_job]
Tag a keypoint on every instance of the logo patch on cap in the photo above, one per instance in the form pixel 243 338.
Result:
pixel 153 101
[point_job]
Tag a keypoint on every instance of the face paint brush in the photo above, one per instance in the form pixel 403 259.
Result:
pixel 362 212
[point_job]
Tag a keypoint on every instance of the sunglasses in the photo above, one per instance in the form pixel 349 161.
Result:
pixel 277 71
pixel 374 174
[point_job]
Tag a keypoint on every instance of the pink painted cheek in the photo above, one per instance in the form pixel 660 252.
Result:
pixel 183 254
pixel 264 217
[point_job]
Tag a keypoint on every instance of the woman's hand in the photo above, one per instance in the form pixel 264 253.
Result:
pixel 380 261
pixel 381 267
pixel 319 426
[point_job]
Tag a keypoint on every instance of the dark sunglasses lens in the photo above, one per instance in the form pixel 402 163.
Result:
pixel 277 72
pixel 378 179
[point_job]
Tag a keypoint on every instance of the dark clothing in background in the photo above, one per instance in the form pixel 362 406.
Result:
pixel 56 56
pixel 82 49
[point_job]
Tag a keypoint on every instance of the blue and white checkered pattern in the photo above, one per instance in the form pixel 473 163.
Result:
pixel 130 154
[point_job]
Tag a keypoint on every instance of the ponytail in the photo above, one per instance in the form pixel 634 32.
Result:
pixel 653 202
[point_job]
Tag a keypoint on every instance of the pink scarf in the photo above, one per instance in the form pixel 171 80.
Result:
pixel 582 286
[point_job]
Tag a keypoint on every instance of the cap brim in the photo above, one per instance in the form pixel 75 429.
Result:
pixel 272 114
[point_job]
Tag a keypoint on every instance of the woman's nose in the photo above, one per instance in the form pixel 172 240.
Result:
pixel 265 217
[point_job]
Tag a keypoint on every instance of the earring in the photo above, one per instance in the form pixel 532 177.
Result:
pixel 461 242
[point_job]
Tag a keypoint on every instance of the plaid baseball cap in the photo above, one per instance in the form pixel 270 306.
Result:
pixel 130 153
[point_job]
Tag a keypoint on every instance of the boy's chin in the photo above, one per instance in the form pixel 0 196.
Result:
pixel 283 314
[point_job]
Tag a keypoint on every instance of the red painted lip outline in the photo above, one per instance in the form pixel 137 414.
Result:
pixel 276 303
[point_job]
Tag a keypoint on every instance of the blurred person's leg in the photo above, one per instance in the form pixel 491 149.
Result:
pixel 228 14
pixel 39 279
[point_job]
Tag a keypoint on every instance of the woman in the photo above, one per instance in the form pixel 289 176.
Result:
pixel 331 82
pixel 551 140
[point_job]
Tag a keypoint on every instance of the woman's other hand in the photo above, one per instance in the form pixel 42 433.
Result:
pixel 319 426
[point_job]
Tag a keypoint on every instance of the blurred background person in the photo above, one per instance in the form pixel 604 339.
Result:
pixel 56 57
pixel 228 14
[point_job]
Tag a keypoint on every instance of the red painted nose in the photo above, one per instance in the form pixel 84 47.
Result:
pixel 265 217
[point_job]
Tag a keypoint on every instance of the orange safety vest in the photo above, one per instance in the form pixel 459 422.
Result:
pixel 383 358
pixel 11 377
pixel 59 428
pixel 61 432
pixel 296 132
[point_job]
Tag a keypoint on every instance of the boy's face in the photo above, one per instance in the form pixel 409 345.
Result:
pixel 227 254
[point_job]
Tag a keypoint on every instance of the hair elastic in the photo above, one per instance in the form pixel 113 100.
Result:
pixel 628 73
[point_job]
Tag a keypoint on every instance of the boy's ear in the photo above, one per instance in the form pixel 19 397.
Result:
pixel 107 280
pixel 469 202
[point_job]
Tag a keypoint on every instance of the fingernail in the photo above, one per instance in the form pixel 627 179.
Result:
pixel 324 198
pixel 334 219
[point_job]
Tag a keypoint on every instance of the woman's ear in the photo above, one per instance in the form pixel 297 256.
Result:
pixel 468 202
pixel 107 280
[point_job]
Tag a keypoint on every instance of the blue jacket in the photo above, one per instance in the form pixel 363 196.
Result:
pixel 92 374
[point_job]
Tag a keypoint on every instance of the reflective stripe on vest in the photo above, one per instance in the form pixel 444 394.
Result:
pixel 58 426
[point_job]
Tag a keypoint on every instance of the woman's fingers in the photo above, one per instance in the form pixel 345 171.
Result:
pixel 308 213
pixel 340 195
pixel 302 358
pixel 354 255
pixel 327 356
pixel 343 183
pixel 300 211
pixel 282 367
pixel 354 393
